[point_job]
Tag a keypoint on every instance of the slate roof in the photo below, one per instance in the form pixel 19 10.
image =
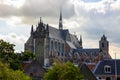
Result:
pixel 87 51
pixel 29 40
pixel 74 40
pixel 54 33
pixel 71 44
pixel 99 69
pixel 64 33
pixel 86 72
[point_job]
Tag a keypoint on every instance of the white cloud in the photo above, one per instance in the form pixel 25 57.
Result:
pixel 90 19
pixel 13 38
pixel 15 3
pixel 13 21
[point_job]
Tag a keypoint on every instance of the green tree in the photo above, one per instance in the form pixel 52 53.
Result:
pixel 6 49
pixel 63 71
pixel 8 56
pixel 8 74
pixel 27 55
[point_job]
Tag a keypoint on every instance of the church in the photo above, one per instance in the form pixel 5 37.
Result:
pixel 49 43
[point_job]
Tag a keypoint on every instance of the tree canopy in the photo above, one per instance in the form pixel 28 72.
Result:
pixel 8 56
pixel 27 55
pixel 63 71
pixel 8 74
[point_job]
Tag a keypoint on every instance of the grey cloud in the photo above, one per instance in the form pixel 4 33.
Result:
pixel 47 8
pixel 33 9
pixel 8 10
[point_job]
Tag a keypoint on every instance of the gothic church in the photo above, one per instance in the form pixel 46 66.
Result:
pixel 49 43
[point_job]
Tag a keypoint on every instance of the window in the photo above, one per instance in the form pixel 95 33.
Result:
pixel 59 47
pixel 52 45
pixel 56 46
pixel 108 78
pixel 107 69
pixel 102 44
pixel 62 47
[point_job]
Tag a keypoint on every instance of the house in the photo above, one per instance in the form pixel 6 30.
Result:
pixel 35 70
pixel 108 69
pixel 86 72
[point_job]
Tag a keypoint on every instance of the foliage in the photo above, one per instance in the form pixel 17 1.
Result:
pixel 27 55
pixel 8 56
pixel 63 71
pixel 6 49
pixel 9 74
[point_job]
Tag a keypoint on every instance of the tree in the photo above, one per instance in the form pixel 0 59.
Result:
pixel 8 56
pixel 63 71
pixel 27 55
pixel 6 49
pixel 8 74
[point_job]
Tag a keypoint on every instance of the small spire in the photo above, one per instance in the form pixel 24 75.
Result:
pixel 60 21
pixel 40 19
pixel 32 29
pixel 103 37
pixel 80 42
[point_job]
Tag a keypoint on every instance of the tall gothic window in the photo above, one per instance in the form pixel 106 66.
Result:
pixel 62 47
pixel 56 46
pixel 51 45
pixel 103 45
pixel 59 47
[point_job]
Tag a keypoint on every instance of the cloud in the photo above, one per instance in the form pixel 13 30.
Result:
pixel 13 38
pixel 89 18
pixel 98 18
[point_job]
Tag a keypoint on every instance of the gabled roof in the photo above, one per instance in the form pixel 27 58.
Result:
pixel 99 69
pixel 71 44
pixel 64 33
pixel 74 40
pixel 87 51
pixel 29 41
pixel 87 73
pixel 54 33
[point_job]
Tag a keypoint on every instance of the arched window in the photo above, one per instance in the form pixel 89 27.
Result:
pixel 55 45
pixel 103 45
pixel 52 45
pixel 59 47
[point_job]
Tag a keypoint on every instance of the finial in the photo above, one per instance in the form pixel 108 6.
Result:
pixel 60 20
pixel 40 20
pixel 32 29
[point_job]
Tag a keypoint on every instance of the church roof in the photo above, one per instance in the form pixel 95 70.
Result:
pixel 54 33
pixel 87 51
pixel 64 33
pixel 99 69
pixel 71 45
pixel 29 41
pixel 74 40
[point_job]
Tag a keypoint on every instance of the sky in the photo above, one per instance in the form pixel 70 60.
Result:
pixel 89 18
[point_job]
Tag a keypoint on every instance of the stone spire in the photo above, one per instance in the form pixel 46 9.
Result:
pixel 60 21
pixel 80 42
pixel 103 37
pixel 32 30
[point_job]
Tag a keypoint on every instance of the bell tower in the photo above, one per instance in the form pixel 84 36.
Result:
pixel 104 44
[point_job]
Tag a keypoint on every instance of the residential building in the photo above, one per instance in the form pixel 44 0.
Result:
pixel 108 69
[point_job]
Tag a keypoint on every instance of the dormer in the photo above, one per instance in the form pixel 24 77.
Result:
pixel 107 69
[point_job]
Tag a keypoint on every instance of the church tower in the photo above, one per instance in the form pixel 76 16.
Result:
pixel 60 21
pixel 104 44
